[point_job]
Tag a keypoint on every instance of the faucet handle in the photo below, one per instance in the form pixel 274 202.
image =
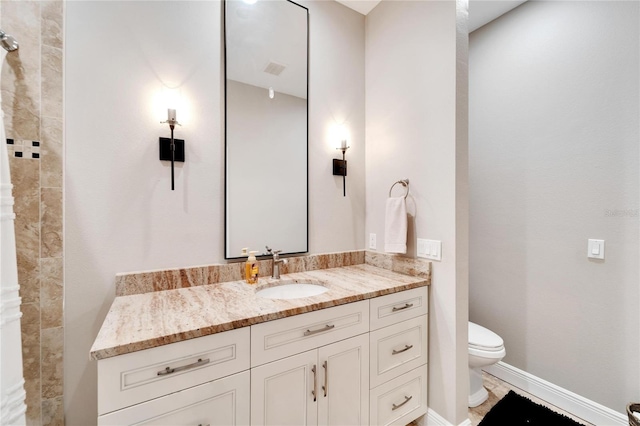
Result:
pixel 273 252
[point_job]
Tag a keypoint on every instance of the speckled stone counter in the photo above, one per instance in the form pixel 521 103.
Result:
pixel 142 321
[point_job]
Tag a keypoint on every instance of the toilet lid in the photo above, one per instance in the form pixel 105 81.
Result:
pixel 480 337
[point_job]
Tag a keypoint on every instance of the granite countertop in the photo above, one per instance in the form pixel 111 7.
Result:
pixel 148 320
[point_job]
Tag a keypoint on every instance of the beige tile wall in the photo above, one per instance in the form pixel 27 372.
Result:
pixel 31 85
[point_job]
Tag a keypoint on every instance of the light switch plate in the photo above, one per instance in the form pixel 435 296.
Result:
pixel 423 248
pixel 595 249
pixel 429 249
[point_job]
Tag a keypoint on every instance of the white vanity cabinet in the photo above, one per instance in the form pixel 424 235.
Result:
pixel 189 382
pixel 327 384
pixel 399 348
pixel 358 363
pixel 222 402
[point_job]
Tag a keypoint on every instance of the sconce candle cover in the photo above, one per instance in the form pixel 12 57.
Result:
pixel 172 121
pixel 340 166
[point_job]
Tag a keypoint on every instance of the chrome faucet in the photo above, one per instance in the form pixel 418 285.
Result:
pixel 276 262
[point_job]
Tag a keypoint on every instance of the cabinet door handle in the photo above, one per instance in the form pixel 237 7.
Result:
pixel 170 370
pixel 406 399
pixel 325 388
pixel 315 383
pixel 320 330
pixel 406 348
pixel 406 306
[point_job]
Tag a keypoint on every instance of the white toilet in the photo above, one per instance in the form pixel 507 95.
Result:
pixel 485 348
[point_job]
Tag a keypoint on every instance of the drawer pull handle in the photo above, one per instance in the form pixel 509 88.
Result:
pixel 406 348
pixel 315 383
pixel 406 306
pixel 170 370
pixel 406 399
pixel 320 330
pixel 325 388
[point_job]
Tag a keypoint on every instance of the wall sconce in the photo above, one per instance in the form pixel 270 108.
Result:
pixel 340 166
pixel 171 149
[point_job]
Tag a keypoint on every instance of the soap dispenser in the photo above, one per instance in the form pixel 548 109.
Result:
pixel 250 267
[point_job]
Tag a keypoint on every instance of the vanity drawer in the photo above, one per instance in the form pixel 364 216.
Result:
pixel 223 402
pixel 401 400
pixel 287 336
pixel 140 376
pixel 397 349
pixel 396 307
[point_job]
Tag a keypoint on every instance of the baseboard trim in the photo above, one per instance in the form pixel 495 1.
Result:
pixel 573 403
pixel 435 419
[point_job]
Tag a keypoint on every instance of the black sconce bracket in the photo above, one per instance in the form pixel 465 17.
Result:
pixel 165 149
pixel 340 169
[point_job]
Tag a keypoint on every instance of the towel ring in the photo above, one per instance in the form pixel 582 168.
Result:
pixel 403 182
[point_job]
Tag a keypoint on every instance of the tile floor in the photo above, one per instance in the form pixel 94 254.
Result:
pixel 497 390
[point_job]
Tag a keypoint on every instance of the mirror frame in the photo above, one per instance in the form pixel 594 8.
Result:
pixel 227 256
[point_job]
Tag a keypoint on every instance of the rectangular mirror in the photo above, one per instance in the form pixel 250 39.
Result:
pixel 266 126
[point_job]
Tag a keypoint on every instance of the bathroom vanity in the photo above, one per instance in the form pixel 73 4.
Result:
pixel 222 355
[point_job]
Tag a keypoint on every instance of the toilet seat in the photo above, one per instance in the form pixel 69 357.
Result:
pixel 482 339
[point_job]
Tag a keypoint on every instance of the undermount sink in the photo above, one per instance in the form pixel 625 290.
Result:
pixel 292 290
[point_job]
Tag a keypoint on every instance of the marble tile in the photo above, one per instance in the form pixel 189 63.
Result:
pixel 20 16
pixel 30 326
pixel 399 263
pixel 51 23
pixel 25 177
pixel 144 282
pixel 53 412
pixel 52 367
pixel 28 276
pixel 34 408
pixel 21 71
pixel 51 226
pixel 51 153
pixel 381 260
pixel 26 180
pixel 32 85
pixel 142 321
pixel 51 80
pixel 51 292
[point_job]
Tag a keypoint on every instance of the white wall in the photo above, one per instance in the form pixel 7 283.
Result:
pixel 554 146
pixel 120 214
pixel 416 129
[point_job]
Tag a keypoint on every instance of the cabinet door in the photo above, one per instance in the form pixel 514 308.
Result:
pixel 222 402
pixel 344 382
pixel 282 391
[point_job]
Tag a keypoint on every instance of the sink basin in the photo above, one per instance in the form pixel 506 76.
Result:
pixel 292 290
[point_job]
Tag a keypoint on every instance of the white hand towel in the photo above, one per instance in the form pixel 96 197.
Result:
pixel 395 226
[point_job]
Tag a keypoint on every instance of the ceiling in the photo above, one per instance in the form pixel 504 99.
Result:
pixel 481 12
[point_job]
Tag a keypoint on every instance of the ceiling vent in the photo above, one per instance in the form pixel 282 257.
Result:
pixel 274 68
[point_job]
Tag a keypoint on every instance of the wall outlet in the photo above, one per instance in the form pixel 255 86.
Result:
pixel 372 241
pixel 429 249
